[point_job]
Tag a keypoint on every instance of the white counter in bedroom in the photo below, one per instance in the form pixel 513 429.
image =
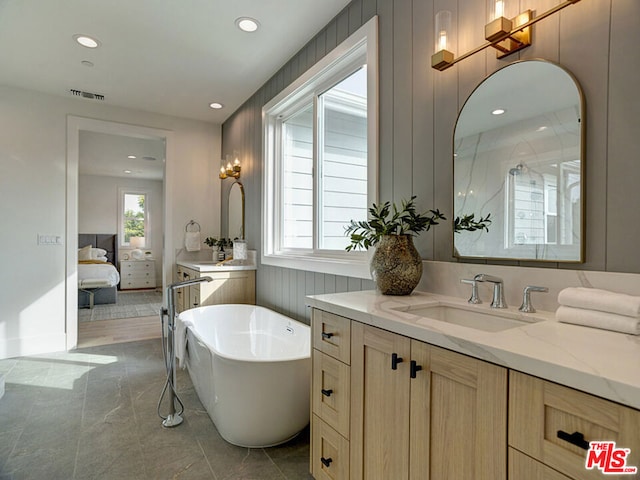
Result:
pixel 600 362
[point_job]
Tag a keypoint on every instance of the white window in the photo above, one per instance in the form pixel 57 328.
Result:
pixel 320 150
pixel 133 216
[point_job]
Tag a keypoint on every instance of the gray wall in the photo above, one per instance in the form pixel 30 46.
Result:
pixel 594 39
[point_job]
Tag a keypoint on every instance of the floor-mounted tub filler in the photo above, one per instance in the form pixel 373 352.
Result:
pixel 251 368
pixel 176 408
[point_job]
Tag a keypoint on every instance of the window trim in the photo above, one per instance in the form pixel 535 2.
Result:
pixel 331 68
pixel 122 191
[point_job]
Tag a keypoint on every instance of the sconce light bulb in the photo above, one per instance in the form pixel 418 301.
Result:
pixel 442 43
pixel 222 169
pixel 236 162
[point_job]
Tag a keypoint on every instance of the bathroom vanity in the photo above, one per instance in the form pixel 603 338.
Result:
pixel 231 283
pixel 475 393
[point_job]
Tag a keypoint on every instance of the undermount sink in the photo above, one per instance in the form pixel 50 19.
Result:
pixel 488 321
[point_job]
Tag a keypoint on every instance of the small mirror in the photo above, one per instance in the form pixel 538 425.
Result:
pixel 236 211
pixel 518 157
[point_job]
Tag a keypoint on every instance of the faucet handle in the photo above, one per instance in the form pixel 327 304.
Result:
pixel 527 306
pixel 474 299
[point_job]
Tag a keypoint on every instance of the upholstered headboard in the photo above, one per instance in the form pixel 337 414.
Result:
pixel 107 241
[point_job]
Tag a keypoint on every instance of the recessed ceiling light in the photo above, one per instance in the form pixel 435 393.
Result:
pixel 498 111
pixel 131 156
pixel 215 105
pixel 127 171
pixel 542 128
pixel 247 24
pixel 86 41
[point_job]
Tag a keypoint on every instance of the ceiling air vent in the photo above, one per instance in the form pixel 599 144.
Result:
pixel 92 96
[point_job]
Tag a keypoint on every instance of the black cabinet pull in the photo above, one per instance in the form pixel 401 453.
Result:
pixel 414 368
pixel 575 438
pixel 326 393
pixel 326 461
pixel 395 360
pixel 327 335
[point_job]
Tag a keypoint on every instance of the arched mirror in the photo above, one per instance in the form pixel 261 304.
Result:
pixel 518 157
pixel 236 211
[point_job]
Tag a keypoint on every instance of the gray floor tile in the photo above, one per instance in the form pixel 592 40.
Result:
pixel 91 414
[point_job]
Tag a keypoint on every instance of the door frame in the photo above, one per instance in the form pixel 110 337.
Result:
pixel 75 124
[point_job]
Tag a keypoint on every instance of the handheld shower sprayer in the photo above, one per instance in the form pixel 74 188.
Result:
pixel 174 418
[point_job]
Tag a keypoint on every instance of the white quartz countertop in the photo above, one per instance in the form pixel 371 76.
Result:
pixel 596 361
pixel 211 266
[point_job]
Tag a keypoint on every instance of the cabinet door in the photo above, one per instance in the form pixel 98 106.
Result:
pixel 229 287
pixel 458 416
pixel 380 404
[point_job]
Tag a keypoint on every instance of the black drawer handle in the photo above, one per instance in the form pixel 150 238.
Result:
pixel 327 335
pixel 326 461
pixel 414 368
pixel 326 393
pixel 575 438
pixel 395 360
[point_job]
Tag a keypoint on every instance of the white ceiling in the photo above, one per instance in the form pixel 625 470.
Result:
pixel 165 56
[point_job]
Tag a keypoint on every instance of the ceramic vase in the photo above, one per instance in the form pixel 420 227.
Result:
pixel 396 266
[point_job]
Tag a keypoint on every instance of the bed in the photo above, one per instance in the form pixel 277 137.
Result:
pixel 98 280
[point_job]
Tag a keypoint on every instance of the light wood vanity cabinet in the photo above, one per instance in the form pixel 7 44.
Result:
pixel 438 415
pixel 447 422
pixel 330 396
pixel 539 410
pixel 237 286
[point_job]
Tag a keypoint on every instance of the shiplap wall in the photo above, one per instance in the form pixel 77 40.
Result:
pixel 594 39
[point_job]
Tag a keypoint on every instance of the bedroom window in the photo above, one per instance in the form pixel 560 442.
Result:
pixel 320 148
pixel 133 216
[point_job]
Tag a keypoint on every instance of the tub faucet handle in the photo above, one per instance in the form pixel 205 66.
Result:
pixel 527 306
pixel 475 298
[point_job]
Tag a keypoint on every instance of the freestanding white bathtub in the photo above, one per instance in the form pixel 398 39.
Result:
pixel 251 369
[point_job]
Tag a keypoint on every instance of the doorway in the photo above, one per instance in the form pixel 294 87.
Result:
pixel 99 172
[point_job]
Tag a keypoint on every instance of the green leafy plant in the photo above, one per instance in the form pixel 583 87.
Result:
pixel 388 219
pixel 222 242
pixel 468 223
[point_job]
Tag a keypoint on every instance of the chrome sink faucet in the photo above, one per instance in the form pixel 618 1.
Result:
pixel 526 306
pixel 498 289
pixel 475 298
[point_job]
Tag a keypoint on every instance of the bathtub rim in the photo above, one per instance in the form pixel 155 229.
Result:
pixel 215 351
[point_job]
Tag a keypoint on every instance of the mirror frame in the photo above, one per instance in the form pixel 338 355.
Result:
pixel 229 203
pixel 582 144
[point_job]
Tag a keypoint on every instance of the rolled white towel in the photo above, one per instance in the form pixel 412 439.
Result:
pixel 601 300
pixel 192 241
pixel 595 319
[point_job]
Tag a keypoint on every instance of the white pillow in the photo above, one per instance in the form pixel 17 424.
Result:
pixel 96 253
pixel 84 253
pixel 101 258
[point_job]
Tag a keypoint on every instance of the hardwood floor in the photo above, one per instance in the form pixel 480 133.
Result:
pixel 121 330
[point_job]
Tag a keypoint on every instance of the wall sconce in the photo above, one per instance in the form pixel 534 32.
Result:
pixel 507 35
pixel 231 170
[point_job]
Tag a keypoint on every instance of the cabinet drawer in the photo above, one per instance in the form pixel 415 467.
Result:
pixel 539 410
pixel 331 392
pixel 522 467
pixel 332 335
pixel 137 283
pixel 329 452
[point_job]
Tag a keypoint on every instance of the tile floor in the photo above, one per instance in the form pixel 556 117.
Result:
pixel 91 414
